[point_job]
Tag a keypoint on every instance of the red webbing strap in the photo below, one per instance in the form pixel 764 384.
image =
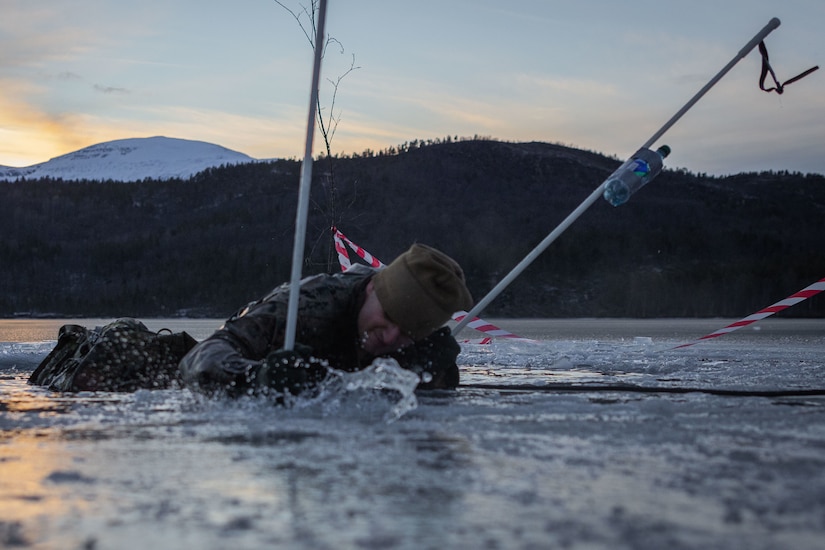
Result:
pixel 767 69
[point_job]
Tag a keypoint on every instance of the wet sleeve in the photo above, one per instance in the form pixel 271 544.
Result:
pixel 216 365
pixel 231 359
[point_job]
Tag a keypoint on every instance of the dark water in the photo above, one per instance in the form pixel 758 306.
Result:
pixel 586 437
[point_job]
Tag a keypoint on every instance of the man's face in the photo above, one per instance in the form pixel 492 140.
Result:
pixel 378 335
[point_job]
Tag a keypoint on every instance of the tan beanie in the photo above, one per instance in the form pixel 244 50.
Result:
pixel 421 289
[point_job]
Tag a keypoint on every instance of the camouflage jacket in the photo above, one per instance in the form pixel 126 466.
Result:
pixel 327 322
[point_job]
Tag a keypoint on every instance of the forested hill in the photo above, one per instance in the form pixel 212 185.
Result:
pixel 684 246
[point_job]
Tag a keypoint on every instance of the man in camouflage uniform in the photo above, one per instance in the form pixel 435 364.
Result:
pixel 344 322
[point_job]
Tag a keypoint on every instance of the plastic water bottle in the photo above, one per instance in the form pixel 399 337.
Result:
pixel 634 174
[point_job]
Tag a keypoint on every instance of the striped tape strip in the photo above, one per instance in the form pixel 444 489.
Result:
pixel 341 249
pixel 791 300
pixel 478 324
pixel 363 254
pixel 489 329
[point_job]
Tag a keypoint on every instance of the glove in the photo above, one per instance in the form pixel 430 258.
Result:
pixel 293 371
pixel 432 359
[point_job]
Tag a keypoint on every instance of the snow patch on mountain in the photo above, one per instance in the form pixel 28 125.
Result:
pixel 132 159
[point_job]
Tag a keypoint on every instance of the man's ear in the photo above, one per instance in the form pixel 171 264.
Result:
pixel 370 287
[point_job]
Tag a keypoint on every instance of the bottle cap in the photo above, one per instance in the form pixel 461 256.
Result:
pixel 664 150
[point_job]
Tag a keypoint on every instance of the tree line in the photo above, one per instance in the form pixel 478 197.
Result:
pixel 685 246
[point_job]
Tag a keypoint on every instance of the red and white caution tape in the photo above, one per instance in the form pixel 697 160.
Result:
pixel 363 254
pixel 490 330
pixel 478 324
pixel 343 255
pixel 791 300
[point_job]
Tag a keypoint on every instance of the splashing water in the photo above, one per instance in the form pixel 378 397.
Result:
pixel 382 387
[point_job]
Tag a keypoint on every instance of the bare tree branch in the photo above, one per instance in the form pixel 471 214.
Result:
pixel 310 13
pixel 306 18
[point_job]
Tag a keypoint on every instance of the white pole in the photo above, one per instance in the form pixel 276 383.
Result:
pixel 303 192
pixel 760 36
pixel 594 196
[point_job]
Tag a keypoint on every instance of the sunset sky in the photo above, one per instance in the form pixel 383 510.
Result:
pixel 595 74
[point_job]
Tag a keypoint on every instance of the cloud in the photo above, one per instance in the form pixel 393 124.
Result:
pixel 31 34
pixel 110 89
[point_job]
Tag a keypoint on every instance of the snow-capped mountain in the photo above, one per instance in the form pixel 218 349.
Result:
pixel 132 160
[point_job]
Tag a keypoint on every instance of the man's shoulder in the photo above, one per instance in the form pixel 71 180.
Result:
pixel 311 284
pixel 357 271
pixel 349 279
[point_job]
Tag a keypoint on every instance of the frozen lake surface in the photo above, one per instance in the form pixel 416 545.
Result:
pixel 596 435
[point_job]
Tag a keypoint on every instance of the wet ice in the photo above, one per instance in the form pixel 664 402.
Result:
pixel 536 465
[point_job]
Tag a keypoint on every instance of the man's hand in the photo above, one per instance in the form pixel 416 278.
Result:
pixel 433 359
pixel 293 371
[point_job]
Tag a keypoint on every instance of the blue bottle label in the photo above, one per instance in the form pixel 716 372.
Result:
pixel 640 168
